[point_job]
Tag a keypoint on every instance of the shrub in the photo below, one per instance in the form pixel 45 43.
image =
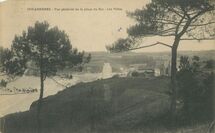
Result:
pixel 3 83
pixel 134 74
pixel 195 89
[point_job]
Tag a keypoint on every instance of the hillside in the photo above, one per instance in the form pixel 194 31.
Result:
pixel 115 105
pixel 102 105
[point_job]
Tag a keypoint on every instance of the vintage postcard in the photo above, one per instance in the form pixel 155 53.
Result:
pixel 107 66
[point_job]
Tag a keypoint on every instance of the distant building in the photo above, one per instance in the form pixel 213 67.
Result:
pixel 164 66
pixel 167 67
pixel 157 72
pixel 107 71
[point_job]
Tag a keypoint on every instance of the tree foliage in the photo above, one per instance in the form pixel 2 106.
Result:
pixel 173 17
pixel 10 64
pixel 120 45
pixel 210 64
pixel 41 44
pixel 181 19
pixel 195 89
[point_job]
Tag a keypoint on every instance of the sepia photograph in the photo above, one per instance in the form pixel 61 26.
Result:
pixel 107 66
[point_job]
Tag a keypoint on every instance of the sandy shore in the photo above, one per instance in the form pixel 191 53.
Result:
pixel 21 102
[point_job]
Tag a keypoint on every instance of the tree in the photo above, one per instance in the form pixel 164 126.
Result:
pixel 48 48
pixel 179 19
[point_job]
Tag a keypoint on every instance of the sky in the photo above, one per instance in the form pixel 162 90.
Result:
pixel 89 30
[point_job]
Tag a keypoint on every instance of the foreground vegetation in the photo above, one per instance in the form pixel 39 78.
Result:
pixel 121 105
pixel 102 105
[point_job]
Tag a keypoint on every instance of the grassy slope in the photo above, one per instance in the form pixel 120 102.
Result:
pixel 132 102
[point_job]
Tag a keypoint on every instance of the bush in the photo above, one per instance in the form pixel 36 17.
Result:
pixel 134 74
pixel 3 83
pixel 210 64
pixel 195 89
